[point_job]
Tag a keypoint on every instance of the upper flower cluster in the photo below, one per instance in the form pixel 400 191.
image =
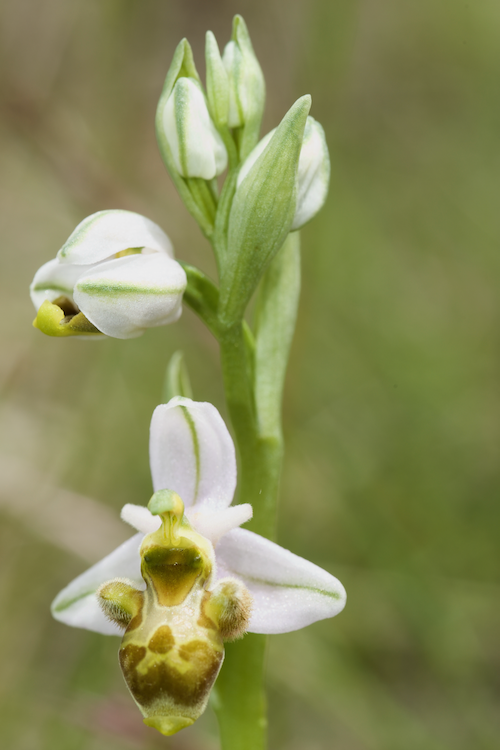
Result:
pixel 191 578
pixel 116 274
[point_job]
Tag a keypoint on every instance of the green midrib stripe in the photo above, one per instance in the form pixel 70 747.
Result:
pixel 331 594
pixel 66 604
pixel 117 289
pixel 196 448
pixel 52 288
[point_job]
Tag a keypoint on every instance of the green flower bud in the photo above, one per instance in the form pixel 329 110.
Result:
pixel 246 86
pixel 217 83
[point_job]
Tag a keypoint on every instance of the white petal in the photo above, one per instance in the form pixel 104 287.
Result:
pixel 124 296
pixel 77 605
pixel 105 233
pixel 140 518
pixel 288 591
pixel 214 524
pixel 192 453
pixel 53 280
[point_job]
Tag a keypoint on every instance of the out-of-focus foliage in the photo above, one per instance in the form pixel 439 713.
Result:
pixel 393 404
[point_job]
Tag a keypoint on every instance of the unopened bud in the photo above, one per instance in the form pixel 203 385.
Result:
pixel 246 85
pixel 196 147
pixel 313 171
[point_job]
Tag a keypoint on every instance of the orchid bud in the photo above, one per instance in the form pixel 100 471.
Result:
pixel 217 83
pixel 246 86
pixel 115 276
pixel 196 147
pixel 313 172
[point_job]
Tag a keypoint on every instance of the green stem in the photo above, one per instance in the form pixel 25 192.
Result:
pixel 241 701
pixel 239 698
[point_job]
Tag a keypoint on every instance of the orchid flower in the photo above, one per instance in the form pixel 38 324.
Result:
pixel 191 578
pixel 115 275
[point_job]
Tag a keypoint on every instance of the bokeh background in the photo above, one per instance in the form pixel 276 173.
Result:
pixel 392 408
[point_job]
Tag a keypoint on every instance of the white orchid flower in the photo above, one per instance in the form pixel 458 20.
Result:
pixel 313 173
pixel 196 146
pixel 191 577
pixel 115 275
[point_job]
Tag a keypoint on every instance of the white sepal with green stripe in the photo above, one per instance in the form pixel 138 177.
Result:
pixel 105 233
pixel 77 605
pixel 125 296
pixel 196 147
pixel 288 592
pixel 191 452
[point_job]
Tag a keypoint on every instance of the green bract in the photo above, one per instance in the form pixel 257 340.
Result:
pixel 313 174
pixel 262 213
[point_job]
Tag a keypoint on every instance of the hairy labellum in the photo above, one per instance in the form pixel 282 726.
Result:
pixel 172 649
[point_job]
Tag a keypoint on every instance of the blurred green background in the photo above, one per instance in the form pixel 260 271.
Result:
pixel 392 409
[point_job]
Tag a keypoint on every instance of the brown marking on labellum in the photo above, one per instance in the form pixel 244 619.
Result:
pixel 173 572
pixel 163 683
pixel 130 657
pixel 162 640
pixel 135 622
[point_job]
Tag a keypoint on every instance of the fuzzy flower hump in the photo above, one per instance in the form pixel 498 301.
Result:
pixel 115 275
pixel 191 578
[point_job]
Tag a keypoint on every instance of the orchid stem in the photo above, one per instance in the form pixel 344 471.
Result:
pixel 240 698
pixel 254 374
